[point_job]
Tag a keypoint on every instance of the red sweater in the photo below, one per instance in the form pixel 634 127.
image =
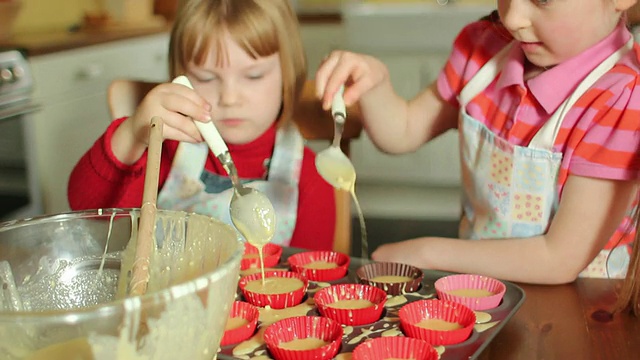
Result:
pixel 99 180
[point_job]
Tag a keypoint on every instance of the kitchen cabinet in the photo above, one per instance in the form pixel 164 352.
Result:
pixel 71 86
pixel 318 40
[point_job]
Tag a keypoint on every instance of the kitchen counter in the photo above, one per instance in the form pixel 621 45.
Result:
pixel 50 42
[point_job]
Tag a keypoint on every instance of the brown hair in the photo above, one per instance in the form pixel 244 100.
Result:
pixel 260 27
pixel 629 296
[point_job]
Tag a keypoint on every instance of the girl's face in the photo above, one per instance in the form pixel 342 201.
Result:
pixel 245 93
pixel 552 31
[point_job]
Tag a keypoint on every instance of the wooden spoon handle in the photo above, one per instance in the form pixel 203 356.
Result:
pixel 146 243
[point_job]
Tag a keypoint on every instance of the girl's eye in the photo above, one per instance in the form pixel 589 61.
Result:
pixel 255 76
pixel 542 2
pixel 206 79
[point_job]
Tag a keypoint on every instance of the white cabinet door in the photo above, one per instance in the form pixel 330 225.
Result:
pixel 318 41
pixel 71 87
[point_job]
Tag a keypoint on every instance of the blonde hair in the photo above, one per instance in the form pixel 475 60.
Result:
pixel 260 27
pixel 629 296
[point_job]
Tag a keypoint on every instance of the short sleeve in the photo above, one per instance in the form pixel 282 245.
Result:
pixel 473 47
pixel 607 136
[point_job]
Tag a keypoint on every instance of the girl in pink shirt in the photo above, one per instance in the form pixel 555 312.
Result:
pixel 546 100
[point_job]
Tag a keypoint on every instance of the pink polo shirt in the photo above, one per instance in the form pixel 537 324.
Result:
pixel 599 136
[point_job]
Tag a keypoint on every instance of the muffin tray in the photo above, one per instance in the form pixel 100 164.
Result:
pixel 489 322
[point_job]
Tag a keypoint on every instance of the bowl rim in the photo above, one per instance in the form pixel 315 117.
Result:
pixel 113 307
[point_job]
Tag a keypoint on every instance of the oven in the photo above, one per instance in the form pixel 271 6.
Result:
pixel 19 188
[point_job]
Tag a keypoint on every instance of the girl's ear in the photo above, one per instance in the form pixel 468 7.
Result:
pixel 623 5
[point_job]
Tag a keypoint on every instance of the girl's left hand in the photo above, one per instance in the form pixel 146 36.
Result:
pixel 407 252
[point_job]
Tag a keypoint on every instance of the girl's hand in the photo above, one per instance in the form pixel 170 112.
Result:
pixel 176 104
pixel 409 252
pixel 358 72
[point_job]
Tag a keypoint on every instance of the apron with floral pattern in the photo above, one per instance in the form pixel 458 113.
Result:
pixel 510 191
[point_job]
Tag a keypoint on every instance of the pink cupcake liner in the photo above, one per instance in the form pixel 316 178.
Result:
pixel 271 253
pixel 413 313
pixel 298 262
pixel 325 297
pixel 302 327
pixel 470 282
pixel 370 271
pixel 275 301
pixel 398 347
pixel 246 311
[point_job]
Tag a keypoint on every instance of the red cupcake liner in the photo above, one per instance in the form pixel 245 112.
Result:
pixel 413 313
pixel 298 262
pixel 246 311
pixel 470 282
pixel 302 327
pixel 325 297
pixel 398 347
pixel 275 301
pixel 251 271
pixel 367 272
pixel 270 251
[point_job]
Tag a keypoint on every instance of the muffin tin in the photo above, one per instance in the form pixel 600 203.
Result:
pixel 489 323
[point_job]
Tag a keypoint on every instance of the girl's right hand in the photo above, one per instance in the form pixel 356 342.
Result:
pixel 176 104
pixel 358 72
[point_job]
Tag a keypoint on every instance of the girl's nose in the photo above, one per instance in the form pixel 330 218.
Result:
pixel 514 14
pixel 229 95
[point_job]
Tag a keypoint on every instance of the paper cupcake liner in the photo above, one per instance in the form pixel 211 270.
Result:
pixel 246 311
pixel 370 271
pixel 271 253
pixel 302 327
pixel 413 313
pixel 397 347
pixel 275 301
pixel 471 282
pixel 325 297
pixel 298 262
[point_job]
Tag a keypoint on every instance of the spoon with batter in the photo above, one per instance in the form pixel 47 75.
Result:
pixel 336 168
pixel 251 211
pixel 332 164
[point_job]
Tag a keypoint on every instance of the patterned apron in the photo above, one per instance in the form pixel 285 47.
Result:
pixel 191 188
pixel 510 191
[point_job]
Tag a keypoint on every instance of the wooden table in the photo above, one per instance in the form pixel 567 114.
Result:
pixel 568 322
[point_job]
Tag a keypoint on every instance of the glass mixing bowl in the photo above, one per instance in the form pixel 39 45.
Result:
pixel 64 278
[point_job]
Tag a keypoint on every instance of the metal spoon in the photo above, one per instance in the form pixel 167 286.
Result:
pixel 251 211
pixel 332 164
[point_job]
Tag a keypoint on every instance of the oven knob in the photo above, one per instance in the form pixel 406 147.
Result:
pixel 6 76
pixel 18 72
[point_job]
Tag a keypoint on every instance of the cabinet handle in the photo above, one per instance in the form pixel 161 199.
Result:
pixel 91 71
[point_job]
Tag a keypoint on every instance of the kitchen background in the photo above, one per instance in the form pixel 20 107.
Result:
pixel 74 55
